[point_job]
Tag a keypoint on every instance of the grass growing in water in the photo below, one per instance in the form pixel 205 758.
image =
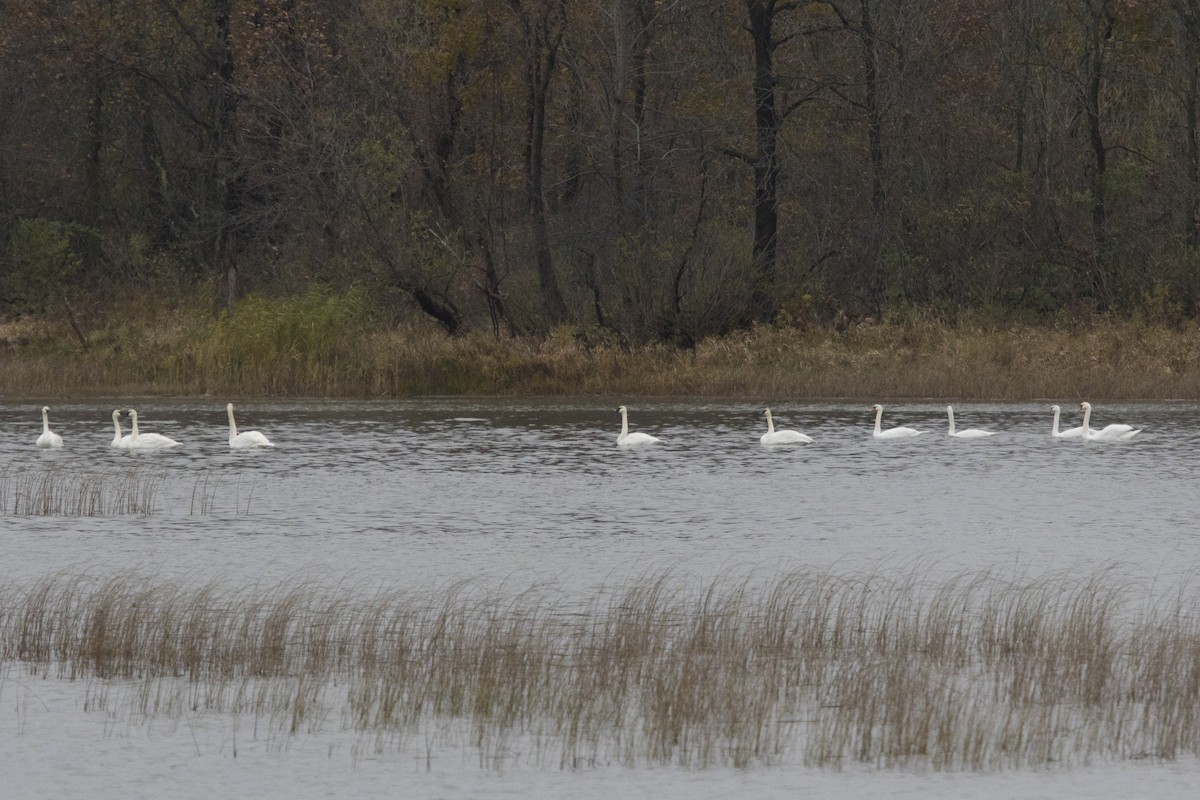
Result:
pixel 59 492
pixel 974 672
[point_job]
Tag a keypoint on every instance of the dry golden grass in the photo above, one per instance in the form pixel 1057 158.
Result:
pixel 325 344
pixel 974 672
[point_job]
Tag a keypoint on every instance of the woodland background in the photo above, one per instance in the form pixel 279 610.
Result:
pixel 661 170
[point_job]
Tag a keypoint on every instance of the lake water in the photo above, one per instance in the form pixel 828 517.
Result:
pixel 517 492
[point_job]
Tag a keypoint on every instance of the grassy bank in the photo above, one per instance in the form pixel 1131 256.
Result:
pixel 327 345
pixel 973 672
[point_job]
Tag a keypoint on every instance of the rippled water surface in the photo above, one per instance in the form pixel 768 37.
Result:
pixel 424 492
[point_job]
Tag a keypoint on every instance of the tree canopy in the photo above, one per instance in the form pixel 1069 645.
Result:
pixel 664 169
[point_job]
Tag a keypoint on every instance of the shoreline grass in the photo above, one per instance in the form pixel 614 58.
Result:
pixel 969 672
pixel 326 345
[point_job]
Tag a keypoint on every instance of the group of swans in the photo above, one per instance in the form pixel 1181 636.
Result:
pixel 141 442
pixel 138 440
pixel 1110 433
pixel 907 433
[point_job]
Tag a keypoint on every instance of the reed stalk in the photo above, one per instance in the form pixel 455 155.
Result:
pixel 62 492
pixel 974 672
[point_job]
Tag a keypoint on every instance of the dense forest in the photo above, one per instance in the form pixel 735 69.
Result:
pixel 662 169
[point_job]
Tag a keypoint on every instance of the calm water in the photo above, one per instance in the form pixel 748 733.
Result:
pixel 425 492
pixel 509 493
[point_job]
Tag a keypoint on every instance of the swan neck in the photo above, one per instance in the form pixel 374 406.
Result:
pixel 770 423
pixel 232 424
pixel 45 422
pixel 624 423
pixel 950 413
pixel 878 419
pixel 133 416
pixel 1087 418
pixel 1054 430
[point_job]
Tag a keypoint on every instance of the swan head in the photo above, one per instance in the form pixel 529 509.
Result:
pixel 1085 406
pixel 622 410
pixel 45 410
pixel 229 407
pixel 1055 408
pixel 877 407
pixel 116 414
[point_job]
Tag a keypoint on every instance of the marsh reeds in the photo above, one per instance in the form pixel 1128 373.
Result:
pixel 327 344
pixel 974 672
pixel 62 492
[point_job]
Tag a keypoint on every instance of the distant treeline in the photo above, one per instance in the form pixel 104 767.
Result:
pixel 663 169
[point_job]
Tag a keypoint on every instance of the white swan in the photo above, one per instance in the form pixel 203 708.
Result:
pixel 245 439
pixel 891 433
pixel 1109 433
pixel 773 436
pixel 969 433
pixel 119 441
pixel 1069 433
pixel 627 439
pixel 147 441
pixel 49 438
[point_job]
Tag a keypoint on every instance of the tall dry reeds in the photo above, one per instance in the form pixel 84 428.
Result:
pixel 327 344
pixel 63 492
pixel 974 672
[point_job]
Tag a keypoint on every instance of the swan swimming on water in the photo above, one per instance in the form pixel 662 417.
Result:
pixel 49 438
pixel 147 441
pixel 773 436
pixel 627 439
pixel 891 433
pixel 1069 433
pixel 246 439
pixel 119 441
pixel 969 433
pixel 1109 433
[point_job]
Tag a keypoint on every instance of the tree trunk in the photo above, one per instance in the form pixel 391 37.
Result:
pixel 870 54
pixel 1187 13
pixel 227 197
pixel 763 305
pixel 1100 23
pixel 543 30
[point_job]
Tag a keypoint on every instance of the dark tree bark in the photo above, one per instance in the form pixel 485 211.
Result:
pixel 1187 14
pixel 1098 22
pixel 543 24
pixel 763 299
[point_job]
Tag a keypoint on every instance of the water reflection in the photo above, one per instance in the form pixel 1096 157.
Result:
pixel 434 490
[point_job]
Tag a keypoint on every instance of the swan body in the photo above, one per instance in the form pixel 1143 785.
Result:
pixel 246 439
pixel 627 439
pixel 891 433
pixel 119 441
pixel 49 439
pixel 773 436
pixel 1109 433
pixel 969 433
pixel 1069 433
pixel 147 441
